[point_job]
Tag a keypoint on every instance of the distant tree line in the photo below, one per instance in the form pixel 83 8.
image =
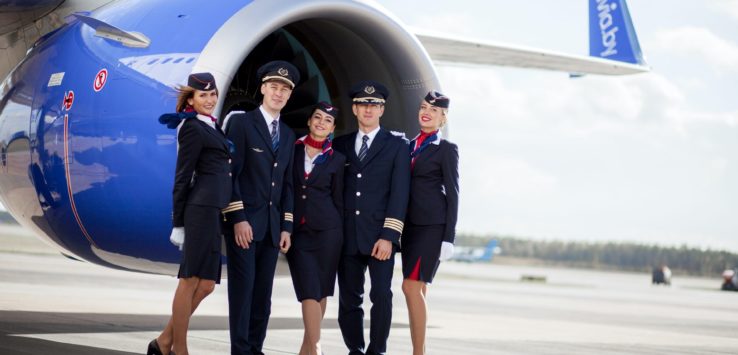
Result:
pixel 614 256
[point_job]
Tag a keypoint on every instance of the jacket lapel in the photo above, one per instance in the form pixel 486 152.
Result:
pixel 300 162
pixel 350 150
pixel 425 156
pixel 317 169
pixel 217 134
pixel 284 145
pixel 377 144
pixel 261 127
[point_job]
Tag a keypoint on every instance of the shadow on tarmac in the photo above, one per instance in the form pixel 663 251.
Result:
pixel 25 323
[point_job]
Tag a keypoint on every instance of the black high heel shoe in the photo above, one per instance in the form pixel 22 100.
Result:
pixel 154 348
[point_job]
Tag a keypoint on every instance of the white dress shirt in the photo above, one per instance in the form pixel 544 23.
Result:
pixel 268 119
pixel 309 162
pixel 359 139
pixel 207 120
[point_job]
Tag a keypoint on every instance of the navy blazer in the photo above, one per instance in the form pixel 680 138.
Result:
pixel 319 198
pixel 376 191
pixel 434 188
pixel 202 175
pixel 262 184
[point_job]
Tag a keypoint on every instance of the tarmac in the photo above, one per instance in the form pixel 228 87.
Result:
pixel 50 304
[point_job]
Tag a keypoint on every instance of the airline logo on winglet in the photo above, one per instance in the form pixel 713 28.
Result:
pixel 607 30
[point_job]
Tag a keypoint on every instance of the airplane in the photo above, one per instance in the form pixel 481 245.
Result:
pixel 84 163
pixel 473 254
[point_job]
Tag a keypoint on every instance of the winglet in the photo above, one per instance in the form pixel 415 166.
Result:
pixel 611 32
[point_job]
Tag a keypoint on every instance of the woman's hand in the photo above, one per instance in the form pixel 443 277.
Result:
pixel 447 251
pixel 177 237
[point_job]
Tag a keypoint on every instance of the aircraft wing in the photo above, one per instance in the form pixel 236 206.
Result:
pixel 456 50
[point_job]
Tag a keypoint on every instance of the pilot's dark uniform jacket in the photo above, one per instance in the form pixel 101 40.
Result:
pixel 262 193
pixel 202 187
pixel 375 200
pixel 434 202
pixel 318 238
pixel 263 196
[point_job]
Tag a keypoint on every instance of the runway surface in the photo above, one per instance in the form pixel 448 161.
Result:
pixel 53 305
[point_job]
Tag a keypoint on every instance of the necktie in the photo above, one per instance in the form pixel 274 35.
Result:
pixel 364 148
pixel 275 136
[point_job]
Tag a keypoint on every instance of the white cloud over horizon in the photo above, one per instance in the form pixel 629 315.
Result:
pixel 701 44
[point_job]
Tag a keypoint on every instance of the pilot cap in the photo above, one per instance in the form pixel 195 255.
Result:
pixel 369 92
pixel 437 99
pixel 279 70
pixel 327 108
pixel 201 81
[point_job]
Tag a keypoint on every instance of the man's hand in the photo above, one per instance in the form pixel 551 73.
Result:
pixel 382 249
pixel 244 234
pixel 284 242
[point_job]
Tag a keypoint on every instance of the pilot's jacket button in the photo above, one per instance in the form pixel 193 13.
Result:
pixel 358 175
pixel 304 197
pixel 358 213
pixel 358 193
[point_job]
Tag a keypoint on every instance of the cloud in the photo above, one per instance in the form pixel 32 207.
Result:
pixel 711 48
pixel 729 7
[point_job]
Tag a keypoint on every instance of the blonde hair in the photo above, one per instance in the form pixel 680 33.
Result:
pixel 444 120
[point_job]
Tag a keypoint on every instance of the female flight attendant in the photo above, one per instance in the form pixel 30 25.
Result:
pixel 202 187
pixel 318 237
pixel 431 216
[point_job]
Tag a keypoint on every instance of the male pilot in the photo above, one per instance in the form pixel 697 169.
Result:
pixel 261 206
pixel 376 188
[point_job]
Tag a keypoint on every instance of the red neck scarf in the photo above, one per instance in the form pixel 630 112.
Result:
pixel 422 137
pixel 313 143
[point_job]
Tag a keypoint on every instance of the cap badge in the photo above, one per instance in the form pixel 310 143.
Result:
pixel 433 101
pixel 369 90
pixel 207 87
pixel 283 72
pixel 329 109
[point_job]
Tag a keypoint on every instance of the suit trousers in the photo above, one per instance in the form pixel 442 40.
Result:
pixel 351 276
pixel 250 281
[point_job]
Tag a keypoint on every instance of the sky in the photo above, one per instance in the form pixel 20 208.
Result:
pixel 649 158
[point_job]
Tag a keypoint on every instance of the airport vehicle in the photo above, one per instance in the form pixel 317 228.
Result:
pixel 476 254
pixel 730 280
pixel 84 162
pixel 661 275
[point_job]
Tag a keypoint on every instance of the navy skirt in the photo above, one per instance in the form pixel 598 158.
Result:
pixel 421 247
pixel 201 252
pixel 313 260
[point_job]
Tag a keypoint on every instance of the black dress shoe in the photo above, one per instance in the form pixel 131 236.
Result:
pixel 154 348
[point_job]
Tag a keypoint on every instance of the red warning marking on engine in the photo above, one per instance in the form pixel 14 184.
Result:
pixel 68 100
pixel 100 79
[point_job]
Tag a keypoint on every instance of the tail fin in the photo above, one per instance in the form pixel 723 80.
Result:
pixel 489 250
pixel 611 32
